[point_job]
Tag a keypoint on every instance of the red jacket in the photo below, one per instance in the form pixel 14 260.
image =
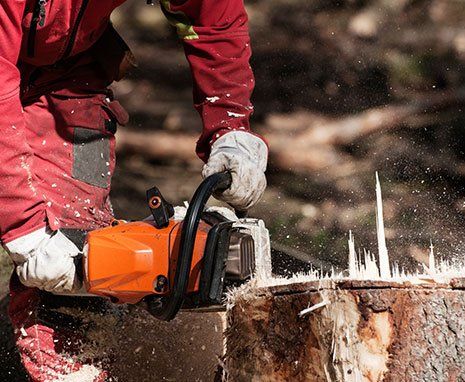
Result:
pixel 216 42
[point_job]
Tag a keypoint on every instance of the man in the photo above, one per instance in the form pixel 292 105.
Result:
pixel 58 120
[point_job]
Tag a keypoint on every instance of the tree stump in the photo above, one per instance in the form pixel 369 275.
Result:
pixel 356 331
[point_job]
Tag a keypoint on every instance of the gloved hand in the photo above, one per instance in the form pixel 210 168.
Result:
pixel 245 156
pixel 45 259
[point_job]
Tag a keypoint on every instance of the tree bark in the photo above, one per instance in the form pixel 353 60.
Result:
pixel 360 331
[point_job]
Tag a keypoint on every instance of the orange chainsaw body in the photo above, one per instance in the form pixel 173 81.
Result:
pixel 130 261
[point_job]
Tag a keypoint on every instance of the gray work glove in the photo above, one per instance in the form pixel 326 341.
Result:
pixel 45 259
pixel 245 156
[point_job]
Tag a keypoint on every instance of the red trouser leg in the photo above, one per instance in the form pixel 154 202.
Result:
pixel 73 142
pixel 72 135
pixel 41 344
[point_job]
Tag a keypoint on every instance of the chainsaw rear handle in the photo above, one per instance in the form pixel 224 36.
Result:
pixel 171 305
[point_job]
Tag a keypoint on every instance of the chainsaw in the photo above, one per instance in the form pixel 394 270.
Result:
pixel 167 263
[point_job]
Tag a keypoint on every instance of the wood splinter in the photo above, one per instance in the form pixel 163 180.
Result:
pixel 379 324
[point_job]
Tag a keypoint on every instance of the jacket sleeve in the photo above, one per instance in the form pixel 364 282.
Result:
pixel 22 209
pixel 217 45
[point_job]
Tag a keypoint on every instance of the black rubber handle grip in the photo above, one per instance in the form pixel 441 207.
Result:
pixel 170 307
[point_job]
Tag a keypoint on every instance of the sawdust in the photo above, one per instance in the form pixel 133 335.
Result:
pixel 361 266
pixel 245 292
pixel 30 177
pixel 99 341
pixel 87 373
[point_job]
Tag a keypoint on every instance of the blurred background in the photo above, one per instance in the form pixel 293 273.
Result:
pixel 344 88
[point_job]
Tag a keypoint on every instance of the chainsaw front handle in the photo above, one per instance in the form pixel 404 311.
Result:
pixel 171 305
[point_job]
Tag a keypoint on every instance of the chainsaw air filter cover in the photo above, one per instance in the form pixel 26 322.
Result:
pixel 129 261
